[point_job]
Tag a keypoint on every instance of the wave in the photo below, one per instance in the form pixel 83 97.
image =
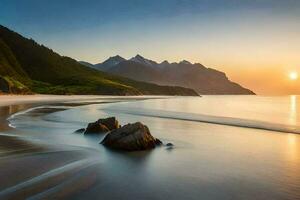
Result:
pixel 228 121
pixel 12 119
pixel 221 120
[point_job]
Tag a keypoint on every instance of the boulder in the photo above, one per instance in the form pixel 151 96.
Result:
pixel 169 145
pixel 111 123
pixel 158 142
pixel 96 128
pixel 131 137
pixel 102 126
pixel 81 130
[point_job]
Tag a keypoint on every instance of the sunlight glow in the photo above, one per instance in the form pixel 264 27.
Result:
pixel 293 75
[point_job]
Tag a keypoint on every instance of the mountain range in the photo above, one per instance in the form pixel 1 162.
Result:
pixel 185 74
pixel 28 67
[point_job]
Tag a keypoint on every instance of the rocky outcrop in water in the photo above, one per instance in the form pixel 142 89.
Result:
pixel 131 137
pixel 102 126
pixel 169 145
pixel 81 130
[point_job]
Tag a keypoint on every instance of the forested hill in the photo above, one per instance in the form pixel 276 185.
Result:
pixel 26 66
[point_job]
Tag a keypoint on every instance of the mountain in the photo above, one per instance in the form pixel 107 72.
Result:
pixel 202 79
pixel 137 71
pixel 26 66
pixel 185 74
pixel 140 59
pixel 87 64
pixel 110 62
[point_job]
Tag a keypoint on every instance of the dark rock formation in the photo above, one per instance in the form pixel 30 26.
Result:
pixel 158 142
pixel 96 128
pixel 169 145
pixel 81 130
pixel 111 123
pixel 102 125
pixel 131 137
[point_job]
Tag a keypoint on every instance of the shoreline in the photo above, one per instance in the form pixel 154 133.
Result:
pixel 8 100
pixel 11 103
pixel 57 167
pixel 53 163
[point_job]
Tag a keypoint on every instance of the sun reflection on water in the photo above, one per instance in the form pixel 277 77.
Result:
pixel 293 109
pixel 293 148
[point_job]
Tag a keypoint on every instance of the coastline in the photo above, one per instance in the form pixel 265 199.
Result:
pixel 43 159
pixel 8 100
pixel 52 163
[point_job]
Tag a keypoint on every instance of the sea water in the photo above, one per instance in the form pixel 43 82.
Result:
pixel 225 147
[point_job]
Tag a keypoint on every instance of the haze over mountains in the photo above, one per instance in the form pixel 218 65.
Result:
pixel 26 67
pixel 196 76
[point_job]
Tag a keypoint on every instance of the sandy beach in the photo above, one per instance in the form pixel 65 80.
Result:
pixel 29 168
pixel 39 169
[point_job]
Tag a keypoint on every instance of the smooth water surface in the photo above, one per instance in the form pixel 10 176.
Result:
pixel 208 161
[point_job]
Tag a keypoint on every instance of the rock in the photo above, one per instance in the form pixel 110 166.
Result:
pixel 111 123
pixel 131 137
pixel 169 145
pixel 81 130
pixel 96 128
pixel 158 142
pixel 102 126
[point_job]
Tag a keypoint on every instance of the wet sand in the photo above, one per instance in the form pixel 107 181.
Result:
pixel 34 170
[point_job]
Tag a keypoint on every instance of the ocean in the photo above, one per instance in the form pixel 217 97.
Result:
pixel 225 147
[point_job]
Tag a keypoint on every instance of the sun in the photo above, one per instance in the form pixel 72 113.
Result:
pixel 293 75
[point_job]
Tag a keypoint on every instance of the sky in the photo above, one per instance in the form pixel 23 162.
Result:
pixel 255 42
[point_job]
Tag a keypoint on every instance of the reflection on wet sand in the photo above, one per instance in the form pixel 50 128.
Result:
pixel 41 169
pixel 6 111
pixel 11 144
pixel 30 168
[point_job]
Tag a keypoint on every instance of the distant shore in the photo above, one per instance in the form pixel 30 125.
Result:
pixel 6 100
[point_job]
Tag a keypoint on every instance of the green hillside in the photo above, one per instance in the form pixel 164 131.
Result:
pixel 39 68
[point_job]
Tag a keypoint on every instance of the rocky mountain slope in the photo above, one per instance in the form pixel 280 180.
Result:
pixel 196 76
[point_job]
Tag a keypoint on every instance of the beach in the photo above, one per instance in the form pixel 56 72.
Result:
pixel 42 157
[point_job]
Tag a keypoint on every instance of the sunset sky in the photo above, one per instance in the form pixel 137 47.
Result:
pixel 256 42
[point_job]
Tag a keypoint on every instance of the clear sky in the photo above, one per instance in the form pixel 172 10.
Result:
pixel 256 42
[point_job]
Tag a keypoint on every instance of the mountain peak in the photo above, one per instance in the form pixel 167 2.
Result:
pixel 110 62
pixel 113 60
pixel 165 62
pixel 139 56
pixel 140 59
pixel 185 62
pixel 117 57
